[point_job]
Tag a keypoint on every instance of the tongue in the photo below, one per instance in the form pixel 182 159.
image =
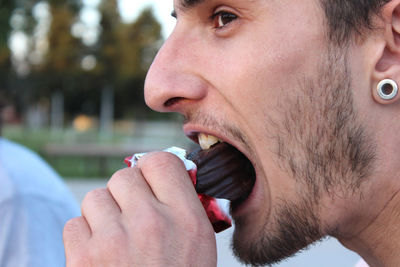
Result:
pixel 223 172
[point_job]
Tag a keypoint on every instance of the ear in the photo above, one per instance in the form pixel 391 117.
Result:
pixel 388 61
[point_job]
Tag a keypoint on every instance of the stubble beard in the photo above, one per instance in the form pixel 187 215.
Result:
pixel 322 145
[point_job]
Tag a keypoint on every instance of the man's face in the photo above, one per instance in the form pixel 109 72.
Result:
pixel 262 76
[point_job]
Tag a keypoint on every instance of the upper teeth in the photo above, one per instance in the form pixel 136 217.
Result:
pixel 206 141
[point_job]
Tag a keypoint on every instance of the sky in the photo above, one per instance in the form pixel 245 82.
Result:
pixel 130 9
pixel 162 9
pixel 88 31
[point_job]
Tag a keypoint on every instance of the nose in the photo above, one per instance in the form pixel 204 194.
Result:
pixel 174 80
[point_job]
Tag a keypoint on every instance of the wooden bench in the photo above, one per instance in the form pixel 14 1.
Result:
pixel 102 152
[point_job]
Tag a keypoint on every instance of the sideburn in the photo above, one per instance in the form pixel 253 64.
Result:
pixel 322 145
pixel 321 141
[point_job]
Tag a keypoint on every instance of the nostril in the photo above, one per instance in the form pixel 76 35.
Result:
pixel 172 101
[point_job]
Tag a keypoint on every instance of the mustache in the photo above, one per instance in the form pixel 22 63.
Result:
pixel 223 126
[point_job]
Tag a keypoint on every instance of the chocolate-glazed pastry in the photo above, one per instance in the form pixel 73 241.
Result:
pixel 223 172
pixel 217 216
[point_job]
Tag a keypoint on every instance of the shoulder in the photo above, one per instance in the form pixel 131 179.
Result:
pixel 14 155
pixel 24 174
pixel 24 166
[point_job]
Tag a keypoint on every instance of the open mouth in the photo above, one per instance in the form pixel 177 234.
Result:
pixel 222 170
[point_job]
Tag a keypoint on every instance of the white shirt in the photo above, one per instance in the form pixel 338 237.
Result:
pixel 361 263
pixel 34 206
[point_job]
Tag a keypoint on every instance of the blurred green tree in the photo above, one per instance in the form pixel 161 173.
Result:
pixel 124 53
pixel 6 9
pixel 15 16
pixel 140 42
pixel 63 55
pixel 61 63
pixel 78 72
pixel 57 75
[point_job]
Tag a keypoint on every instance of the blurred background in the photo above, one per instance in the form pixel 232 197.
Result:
pixel 71 86
pixel 71 79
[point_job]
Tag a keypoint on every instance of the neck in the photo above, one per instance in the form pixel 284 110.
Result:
pixel 379 243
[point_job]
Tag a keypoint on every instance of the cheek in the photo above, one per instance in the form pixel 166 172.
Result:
pixel 267 59
pixel 272 58
pixel 277 71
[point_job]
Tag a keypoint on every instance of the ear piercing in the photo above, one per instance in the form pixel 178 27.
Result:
pixel 387 89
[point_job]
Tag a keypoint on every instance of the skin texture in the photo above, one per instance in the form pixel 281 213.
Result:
pixel 125 224
pixel 306 94
pixel 305 112
pixel 321 145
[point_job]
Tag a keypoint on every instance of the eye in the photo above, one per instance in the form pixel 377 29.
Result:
pixel 223 18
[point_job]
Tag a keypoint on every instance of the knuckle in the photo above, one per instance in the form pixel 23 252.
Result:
pixel 122 175
pixel 159 159
pixel 96 194
pixel 94 198
pixel 73 232
pixel 115 178
pixel 71 227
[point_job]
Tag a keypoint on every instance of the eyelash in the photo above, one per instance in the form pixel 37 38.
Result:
pixel 218 16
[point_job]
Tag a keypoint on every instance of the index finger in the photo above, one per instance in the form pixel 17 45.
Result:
pixel 167 176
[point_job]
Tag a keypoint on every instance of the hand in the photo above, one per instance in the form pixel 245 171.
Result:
pixel 148 215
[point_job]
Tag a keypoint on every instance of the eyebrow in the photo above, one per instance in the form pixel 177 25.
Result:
pixel 190 3
pixel 187 4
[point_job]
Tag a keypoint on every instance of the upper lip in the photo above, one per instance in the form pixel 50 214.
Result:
pixel 192 132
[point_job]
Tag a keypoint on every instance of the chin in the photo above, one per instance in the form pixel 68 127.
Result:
pixel 291 227
pixel 247 241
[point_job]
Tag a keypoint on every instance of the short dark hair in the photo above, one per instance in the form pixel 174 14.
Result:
pixel 350 18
